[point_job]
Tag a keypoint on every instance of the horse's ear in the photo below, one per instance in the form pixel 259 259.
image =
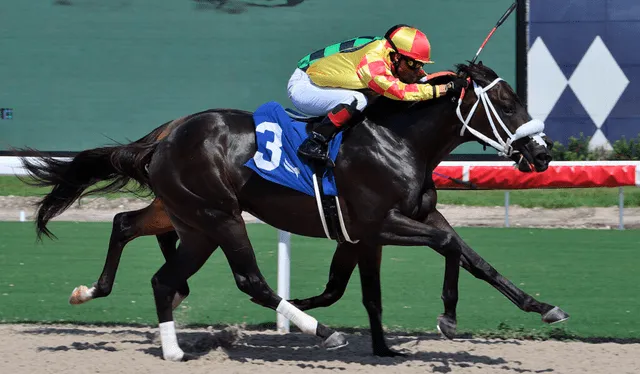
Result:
pixel 480 63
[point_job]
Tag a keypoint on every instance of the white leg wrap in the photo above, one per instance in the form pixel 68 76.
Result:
pixel 305 322
pixel 170 349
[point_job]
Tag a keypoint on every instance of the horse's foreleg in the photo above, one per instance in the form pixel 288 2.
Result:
pixel 249 279
pixel 151 220
pixel 344 261
pixel 478 267
pixel 447 321
pixel 402 230
pixel 369 266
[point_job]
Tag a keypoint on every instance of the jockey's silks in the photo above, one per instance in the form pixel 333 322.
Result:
pixel 363 66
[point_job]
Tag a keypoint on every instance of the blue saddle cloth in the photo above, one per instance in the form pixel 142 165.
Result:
pixel 278 137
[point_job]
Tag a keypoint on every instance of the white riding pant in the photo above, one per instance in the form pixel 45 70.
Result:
pixel 318 101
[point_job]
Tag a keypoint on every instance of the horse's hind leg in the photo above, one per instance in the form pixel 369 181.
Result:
pixel 241 257
pixel 151 220
pixel 345 259
pixel 193 251
pixel 167 242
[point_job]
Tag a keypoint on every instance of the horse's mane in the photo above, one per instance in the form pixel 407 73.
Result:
pixel 477 72
pixel 483 76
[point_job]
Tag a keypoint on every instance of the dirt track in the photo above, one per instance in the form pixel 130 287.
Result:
pixel 101 209
pixel 87 349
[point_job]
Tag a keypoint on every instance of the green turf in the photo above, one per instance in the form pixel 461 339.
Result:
pixel 558 198
pixel 591 274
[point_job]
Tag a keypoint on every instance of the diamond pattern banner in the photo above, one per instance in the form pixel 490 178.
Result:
pixel 583 63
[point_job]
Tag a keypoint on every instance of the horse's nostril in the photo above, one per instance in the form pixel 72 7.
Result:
pixel 543 157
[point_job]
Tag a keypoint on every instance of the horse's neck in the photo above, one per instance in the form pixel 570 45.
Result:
pixel 430 130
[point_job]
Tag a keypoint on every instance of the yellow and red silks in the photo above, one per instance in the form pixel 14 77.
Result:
pixel 367 67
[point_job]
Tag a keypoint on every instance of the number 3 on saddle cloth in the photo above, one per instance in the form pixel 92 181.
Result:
pixel 278 137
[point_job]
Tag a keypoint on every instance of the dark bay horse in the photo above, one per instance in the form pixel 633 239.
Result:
pixel 386 192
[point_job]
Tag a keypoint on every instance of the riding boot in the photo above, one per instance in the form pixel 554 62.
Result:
pixel 315 146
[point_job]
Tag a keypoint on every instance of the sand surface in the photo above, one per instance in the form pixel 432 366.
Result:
pixel 88 349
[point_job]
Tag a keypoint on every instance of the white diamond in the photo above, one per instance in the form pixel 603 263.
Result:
pixel 545 81
pixel 598 140
pixel 598 65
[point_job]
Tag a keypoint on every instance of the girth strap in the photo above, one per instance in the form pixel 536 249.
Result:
pixel 330 214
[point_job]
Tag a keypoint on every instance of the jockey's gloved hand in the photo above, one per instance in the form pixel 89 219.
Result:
pixel 455 87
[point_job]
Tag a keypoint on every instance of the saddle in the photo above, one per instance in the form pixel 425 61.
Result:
pixel 331 217
pixel 302 117
pixel 279 133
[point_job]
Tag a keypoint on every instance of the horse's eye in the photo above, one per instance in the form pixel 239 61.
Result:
pixel 509 111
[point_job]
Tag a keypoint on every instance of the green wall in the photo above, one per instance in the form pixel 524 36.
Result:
pixel 79 73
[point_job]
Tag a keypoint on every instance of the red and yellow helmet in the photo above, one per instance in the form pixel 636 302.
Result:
pixel 410 42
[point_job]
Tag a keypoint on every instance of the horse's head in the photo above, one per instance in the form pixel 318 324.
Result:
pixel 492 112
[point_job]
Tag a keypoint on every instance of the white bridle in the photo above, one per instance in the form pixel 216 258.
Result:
pixel 533 128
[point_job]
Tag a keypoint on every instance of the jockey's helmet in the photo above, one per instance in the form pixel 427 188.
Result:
pixel 410 42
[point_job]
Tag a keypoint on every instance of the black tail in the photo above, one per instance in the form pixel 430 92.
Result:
pixel 117 165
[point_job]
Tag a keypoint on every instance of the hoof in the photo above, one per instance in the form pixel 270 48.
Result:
pixel 335 341
pixel 80 295
pixel 176 355
pixel 555 315
pixel 447 326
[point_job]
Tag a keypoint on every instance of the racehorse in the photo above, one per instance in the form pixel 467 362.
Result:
pixel 383 174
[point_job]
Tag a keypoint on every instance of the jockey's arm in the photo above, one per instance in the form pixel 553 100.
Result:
pixel 426 77
pixel 378 77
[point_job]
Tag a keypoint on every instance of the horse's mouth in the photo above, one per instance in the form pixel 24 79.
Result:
pixel 532 157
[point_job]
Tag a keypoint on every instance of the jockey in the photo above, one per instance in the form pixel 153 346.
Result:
pixel 329 82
